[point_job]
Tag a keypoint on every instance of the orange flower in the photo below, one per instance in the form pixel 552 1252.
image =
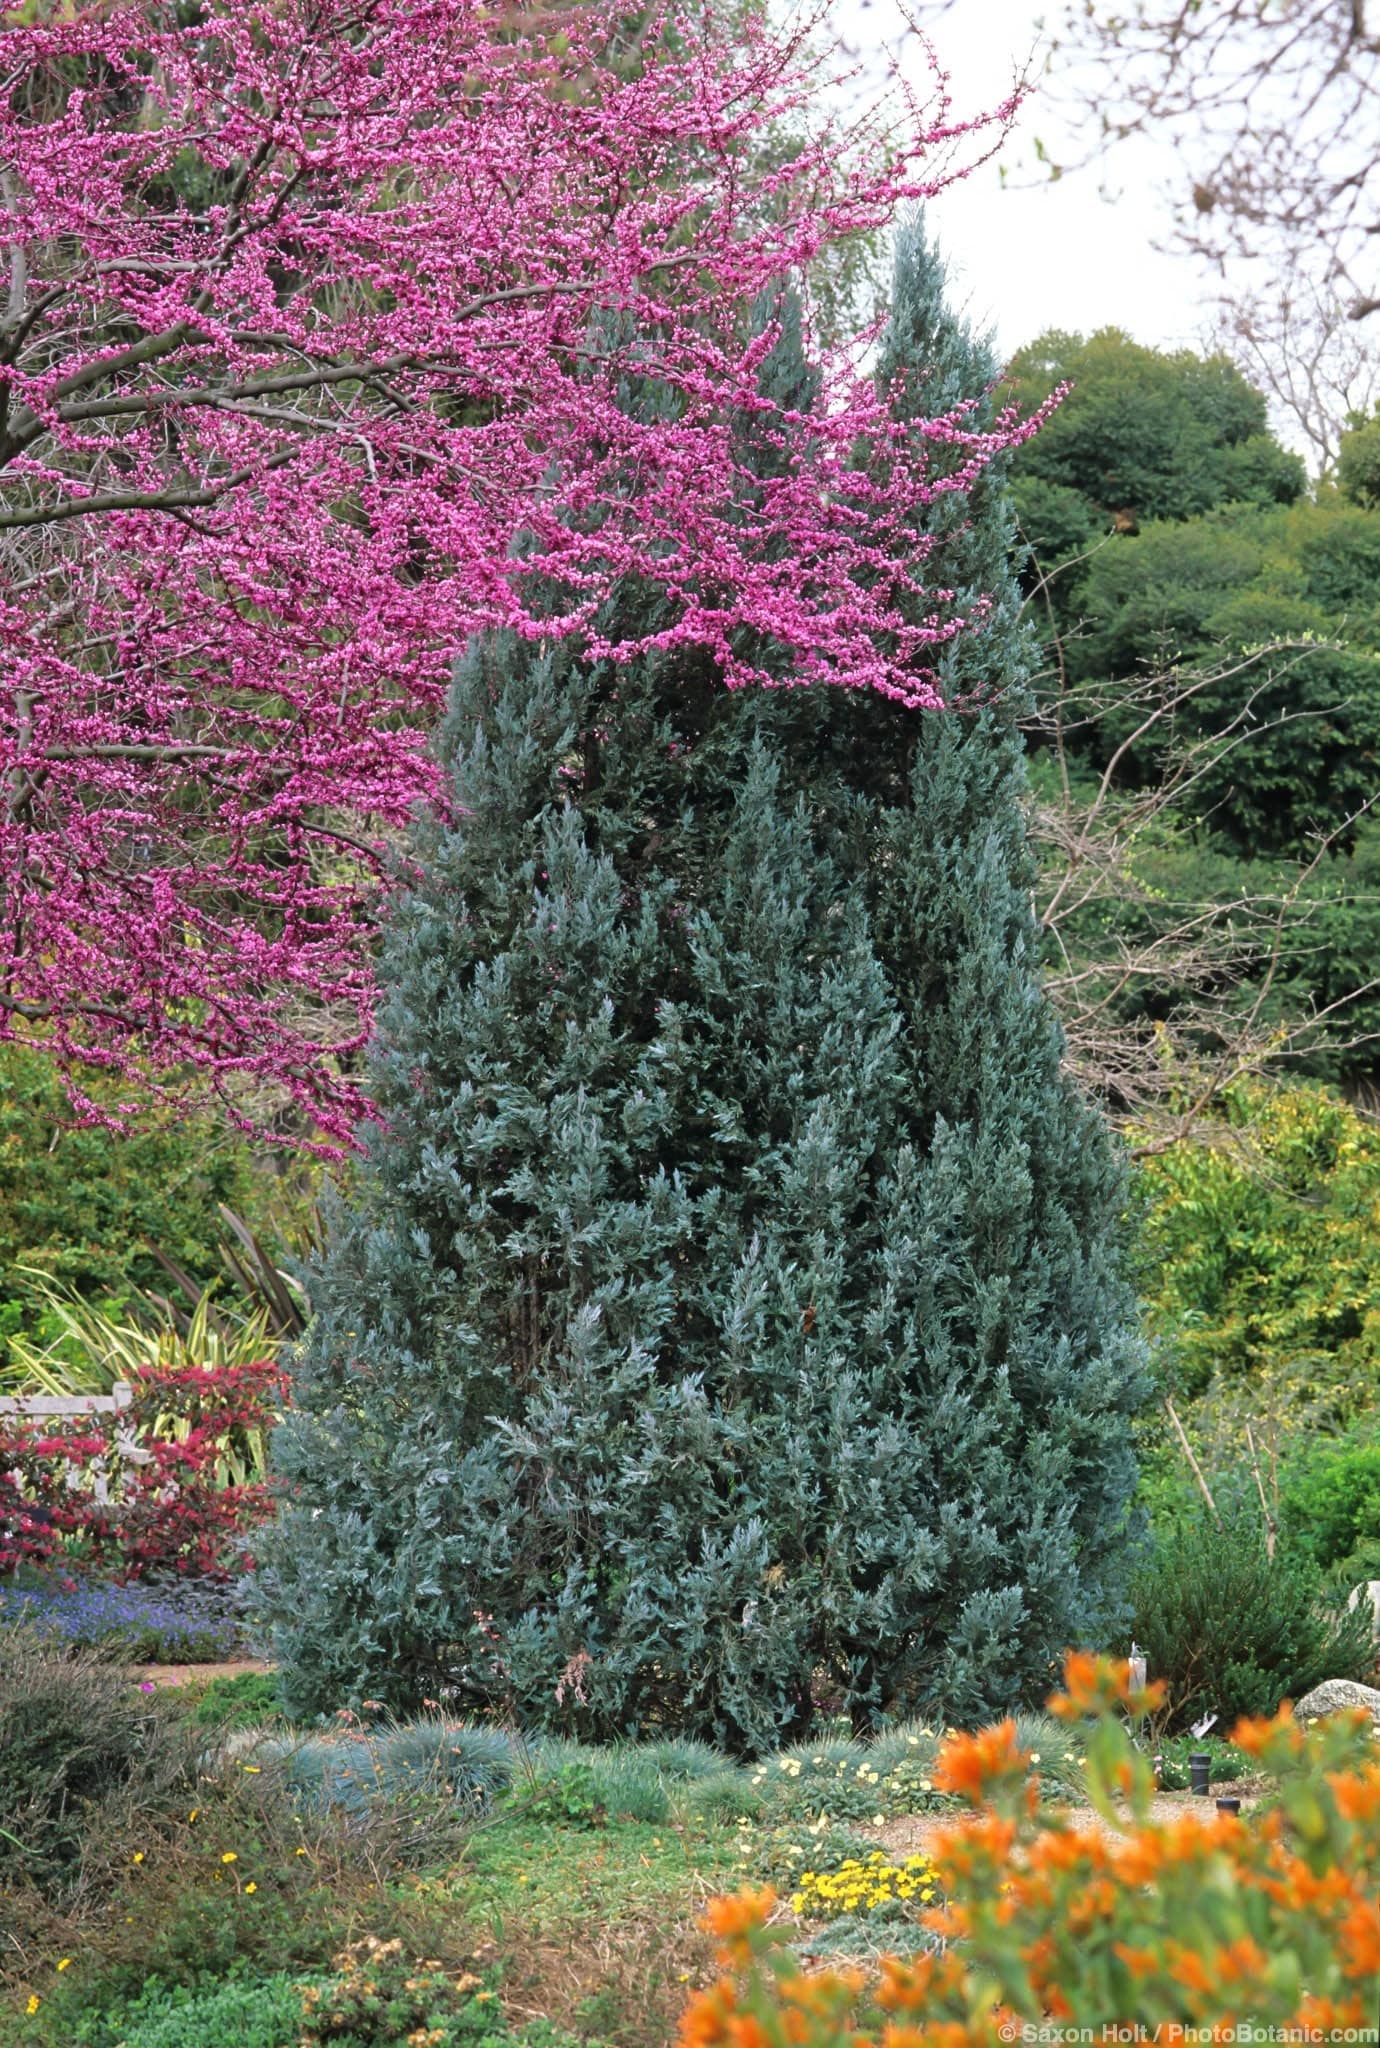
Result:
pixel 967 1764
pixel 1141 1962
pixel 1068 1848
pixel 908 1985
pixel 735 1920
pixel 951 2034
pixel 1318 1890
pixel 745 2030
pixel 1239 1960
pixel 1092 1683
pixel 1095 1902
pixel 1255 1735
pixel 1316 2018
pixel 823 1994
pixel 743 1913
pixel 1139 1858
pixel 1359 1940
pixel 704 2023
pixel 1084 1680
pixel 1357 1792
pixel 1189 1969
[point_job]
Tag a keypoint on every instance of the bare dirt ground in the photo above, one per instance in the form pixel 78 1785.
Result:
pixel 194 1674
pixel 912 1833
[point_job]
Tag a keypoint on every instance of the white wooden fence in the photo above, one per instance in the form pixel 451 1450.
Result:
pixel 120 1396
pixel 60 1407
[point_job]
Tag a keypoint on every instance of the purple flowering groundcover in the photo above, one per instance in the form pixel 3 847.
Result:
pixel 173 1621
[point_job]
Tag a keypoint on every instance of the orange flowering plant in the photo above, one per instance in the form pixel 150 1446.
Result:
pixel 1056 1922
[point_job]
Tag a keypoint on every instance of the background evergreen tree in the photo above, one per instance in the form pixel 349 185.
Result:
pixel 732 1302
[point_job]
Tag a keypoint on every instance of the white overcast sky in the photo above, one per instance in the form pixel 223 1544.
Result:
pixel 1030 256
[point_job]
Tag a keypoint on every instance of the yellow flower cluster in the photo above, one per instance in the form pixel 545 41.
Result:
pixel 861 1886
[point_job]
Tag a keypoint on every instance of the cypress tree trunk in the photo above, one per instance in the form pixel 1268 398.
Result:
pixel 732 1301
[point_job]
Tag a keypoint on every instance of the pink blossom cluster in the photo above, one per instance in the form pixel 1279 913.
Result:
pixel 319 321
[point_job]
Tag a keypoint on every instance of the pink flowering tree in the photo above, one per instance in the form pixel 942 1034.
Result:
pixel 318 320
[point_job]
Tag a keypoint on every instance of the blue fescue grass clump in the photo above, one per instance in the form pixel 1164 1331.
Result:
pixel 434 1757
pixel 177 1621
pixel 682 1759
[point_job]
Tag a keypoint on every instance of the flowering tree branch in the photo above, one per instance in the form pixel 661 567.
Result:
pixel 338 331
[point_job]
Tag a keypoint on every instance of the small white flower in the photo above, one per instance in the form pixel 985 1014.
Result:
pixel 1034 1756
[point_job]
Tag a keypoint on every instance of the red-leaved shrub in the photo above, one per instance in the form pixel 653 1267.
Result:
pixel 161 1487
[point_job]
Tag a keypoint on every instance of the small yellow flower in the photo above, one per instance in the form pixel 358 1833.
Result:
pixel 194 1812
pixel 32 2006
pixel 66 1963
pixel 229 1857
pixel 251 1888
pixel 252 1770
pixel 299 1852
pixel 138 1856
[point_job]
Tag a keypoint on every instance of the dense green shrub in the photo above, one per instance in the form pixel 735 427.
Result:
pixel 1206 595
pixel 244 1701
pixel 1261 1253
pixel 1358 464
pixel 1142 435
pixel 1332 1504
pixel 259 2012
pixel 1234 1631
pixel 734 1295
pixel 89 1205
pixel 681 1759
pixel 81 1748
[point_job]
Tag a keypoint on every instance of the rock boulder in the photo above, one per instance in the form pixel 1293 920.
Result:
pixel 1334 1696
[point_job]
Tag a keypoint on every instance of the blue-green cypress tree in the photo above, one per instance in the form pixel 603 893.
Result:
pixel 730 1304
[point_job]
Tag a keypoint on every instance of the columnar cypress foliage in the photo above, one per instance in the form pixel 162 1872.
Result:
pixel 731 1302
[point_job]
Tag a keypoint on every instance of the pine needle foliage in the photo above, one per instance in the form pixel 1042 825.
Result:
pixel 731 1307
